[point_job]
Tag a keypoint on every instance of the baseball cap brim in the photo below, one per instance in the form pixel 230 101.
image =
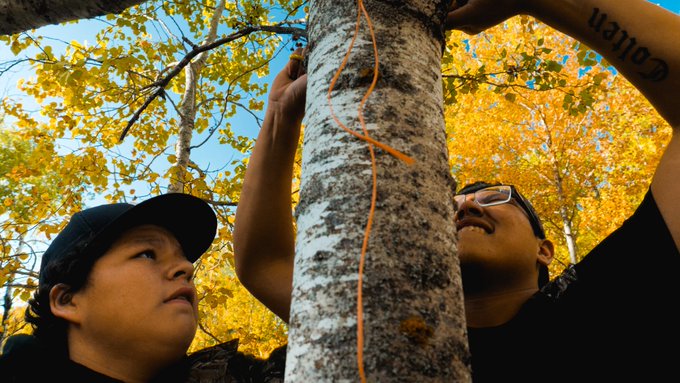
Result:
pixel 190 219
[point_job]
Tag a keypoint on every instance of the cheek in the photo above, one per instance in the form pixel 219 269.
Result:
pixel 127 292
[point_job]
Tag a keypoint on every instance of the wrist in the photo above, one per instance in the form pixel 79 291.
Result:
pixel 280 128
pixel 282 117
pixel 556 13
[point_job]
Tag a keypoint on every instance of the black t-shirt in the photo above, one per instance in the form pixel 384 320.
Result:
pixel 31 362
pixel 611 317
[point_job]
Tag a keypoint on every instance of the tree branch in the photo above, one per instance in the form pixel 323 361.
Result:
pixel 205 330
pixel 162 83
pixel 220 203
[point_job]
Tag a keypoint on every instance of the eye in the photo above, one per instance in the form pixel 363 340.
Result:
pixel 492 197
pixel 150 254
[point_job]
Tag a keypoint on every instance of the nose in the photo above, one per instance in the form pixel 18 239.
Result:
pixel 181 268
pixel 468 208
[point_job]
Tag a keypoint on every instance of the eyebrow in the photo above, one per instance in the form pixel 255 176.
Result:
pixel 152 240
pixel 146 239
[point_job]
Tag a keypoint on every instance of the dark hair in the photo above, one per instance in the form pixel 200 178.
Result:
pixel 537 226
pixel 72 270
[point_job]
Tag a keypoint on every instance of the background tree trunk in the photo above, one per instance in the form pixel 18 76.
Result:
pixel 188 108
pixel 414 321
pixel 20 15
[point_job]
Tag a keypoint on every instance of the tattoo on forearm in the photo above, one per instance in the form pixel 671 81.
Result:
pixel 651 68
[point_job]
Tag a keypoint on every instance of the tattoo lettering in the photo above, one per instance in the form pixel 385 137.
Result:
pixel 652 68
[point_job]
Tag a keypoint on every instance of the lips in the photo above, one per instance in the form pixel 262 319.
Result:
pixel 182 294
pixel 474 225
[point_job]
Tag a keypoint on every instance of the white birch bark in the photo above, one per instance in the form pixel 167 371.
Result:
pixel 564 214
pixel 187 109
pixel 413 308
pixel 569 238
pixel 21 15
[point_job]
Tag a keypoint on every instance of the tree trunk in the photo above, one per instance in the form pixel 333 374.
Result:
pixel 188 108
pixel 414 323
pixel 569 238
pixel 6 307
pixel 20 15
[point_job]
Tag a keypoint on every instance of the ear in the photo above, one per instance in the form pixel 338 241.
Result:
pixel 62 303
pixel 546 251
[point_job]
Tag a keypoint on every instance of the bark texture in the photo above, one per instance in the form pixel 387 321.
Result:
pixel 21 15
pixel 413 307
pixel 188 107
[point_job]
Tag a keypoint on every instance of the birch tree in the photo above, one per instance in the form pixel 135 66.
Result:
pixel 162 74
pixel 21 15
pixel 187 109
pixel 413 321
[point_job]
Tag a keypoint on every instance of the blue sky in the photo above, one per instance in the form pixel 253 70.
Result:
pixel 212 153
pixel 672 5
pixel 86 30
pixel 243 123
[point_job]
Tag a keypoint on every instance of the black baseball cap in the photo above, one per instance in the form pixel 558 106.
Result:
pixel 190 219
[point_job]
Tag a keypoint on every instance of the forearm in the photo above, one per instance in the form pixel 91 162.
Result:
pixel 263 232
pixel 639 38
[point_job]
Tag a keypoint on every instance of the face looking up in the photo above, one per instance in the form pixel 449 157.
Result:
pixel 497 245
pixel 139 298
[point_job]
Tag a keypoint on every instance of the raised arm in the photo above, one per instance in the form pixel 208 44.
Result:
pixel 640 39
pixel 264 243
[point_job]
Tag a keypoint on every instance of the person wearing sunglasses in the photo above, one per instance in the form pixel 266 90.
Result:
pixel 610 317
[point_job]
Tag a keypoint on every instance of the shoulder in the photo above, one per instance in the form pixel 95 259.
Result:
pixel 24 359
pixel 624 266
pixel 224 363
pixel 638 246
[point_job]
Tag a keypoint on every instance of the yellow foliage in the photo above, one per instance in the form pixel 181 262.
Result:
pixel 581 146
pixel 518 111
pixel 69 152
pixel 229 311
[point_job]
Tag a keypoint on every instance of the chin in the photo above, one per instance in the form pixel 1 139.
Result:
pixel 186 337
pixel 179 338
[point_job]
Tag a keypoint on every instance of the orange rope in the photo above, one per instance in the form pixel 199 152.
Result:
pixel 364 137
pixel 371 142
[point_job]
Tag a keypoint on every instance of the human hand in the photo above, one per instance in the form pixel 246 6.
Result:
pixel 475 16
pixel 289 90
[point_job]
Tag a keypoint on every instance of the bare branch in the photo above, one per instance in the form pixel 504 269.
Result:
pixel 11 64
pixel 220 203
pixel 207 332
pixel 162 83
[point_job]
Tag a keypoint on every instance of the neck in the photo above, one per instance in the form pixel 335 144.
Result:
pixel 490 309
pixel 124 365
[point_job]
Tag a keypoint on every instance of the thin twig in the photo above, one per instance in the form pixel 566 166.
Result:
pixel 162 83
pixel 220 203
pixel 205 330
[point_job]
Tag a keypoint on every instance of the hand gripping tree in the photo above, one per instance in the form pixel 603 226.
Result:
pixel 377 293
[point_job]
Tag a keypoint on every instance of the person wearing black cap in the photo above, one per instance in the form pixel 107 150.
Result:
pixel 116 299
pixel 612 316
